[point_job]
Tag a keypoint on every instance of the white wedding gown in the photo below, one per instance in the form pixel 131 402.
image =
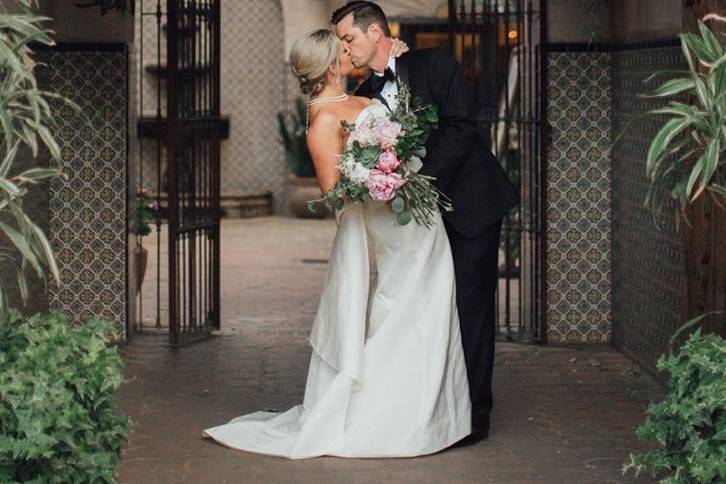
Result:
pixel 387 376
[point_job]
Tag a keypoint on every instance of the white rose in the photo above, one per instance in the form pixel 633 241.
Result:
pixel 359 173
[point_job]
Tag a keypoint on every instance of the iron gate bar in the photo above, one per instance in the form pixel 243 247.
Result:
pixel 158 15
pixel 508 78
pixel 194 129
pixel 544 136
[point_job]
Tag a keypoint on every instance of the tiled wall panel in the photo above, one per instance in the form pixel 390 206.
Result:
pixel 87 215
pixel 647 258
pixel 578 197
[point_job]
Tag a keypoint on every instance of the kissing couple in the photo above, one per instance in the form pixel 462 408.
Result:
pixel 401 363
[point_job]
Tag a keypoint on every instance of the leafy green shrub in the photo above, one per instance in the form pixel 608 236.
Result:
pixel 57 404
pixel 690 424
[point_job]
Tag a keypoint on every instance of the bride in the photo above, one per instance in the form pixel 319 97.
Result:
pixel 387 376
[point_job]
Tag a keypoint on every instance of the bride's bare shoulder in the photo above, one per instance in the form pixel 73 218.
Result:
pixel 323 120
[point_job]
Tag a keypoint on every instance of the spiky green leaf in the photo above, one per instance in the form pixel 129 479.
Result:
pixel 662 140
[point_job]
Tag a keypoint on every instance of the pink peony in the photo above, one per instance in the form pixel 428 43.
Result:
pixel 383 186
pixel 387 133
pixel 388 162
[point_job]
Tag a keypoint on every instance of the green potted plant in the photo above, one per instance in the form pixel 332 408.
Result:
pixel 302 183
pixel 685 165
pixel 144 211
pixel 693 130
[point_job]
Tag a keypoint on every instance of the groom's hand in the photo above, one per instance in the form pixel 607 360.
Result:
pixel 398 48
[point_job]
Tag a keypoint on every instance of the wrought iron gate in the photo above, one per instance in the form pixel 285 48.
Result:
pixel 192 149
pixel 500 46
pixel 186 129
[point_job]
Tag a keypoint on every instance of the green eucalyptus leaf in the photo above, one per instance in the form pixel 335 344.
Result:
pixel 398 204
pixel 403 217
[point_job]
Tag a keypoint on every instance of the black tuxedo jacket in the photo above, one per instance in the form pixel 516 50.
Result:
pixel 465 168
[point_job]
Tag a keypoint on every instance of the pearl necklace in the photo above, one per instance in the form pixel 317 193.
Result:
pixel 341 97
pixel 321 100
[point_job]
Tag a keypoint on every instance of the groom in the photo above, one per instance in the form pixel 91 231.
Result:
pixel 466 172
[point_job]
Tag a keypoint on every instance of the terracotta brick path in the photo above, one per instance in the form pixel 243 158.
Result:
pixel 562 414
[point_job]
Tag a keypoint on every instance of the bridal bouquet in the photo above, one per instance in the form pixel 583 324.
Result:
pixel 381 161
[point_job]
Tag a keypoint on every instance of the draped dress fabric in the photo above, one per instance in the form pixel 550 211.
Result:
pixel 387 376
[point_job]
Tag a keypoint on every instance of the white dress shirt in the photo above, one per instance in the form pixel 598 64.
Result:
pixel 390 88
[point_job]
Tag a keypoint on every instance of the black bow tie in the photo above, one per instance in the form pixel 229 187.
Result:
pixel 377 82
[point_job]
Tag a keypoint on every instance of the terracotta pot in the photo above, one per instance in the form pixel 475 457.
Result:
pixel 141 256
pixel 302 190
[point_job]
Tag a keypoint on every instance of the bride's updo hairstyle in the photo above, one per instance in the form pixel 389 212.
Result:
pixel 310 58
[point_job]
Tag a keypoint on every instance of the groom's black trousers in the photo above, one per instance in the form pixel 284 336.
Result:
pixel 476 272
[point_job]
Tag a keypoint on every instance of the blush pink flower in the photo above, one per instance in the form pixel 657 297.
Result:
pixel 388 161
pixel 382 186
pixel 387 133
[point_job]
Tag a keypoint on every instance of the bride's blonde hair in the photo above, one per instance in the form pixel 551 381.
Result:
pixel 311 56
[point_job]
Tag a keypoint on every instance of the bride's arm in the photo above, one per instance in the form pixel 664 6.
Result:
pixel 325 145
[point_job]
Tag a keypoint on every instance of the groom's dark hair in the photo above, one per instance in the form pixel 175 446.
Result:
pixel 364 14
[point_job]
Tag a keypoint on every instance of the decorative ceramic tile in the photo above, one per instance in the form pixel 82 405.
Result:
pixel 578 197
pixel 87 220
pixel 647 258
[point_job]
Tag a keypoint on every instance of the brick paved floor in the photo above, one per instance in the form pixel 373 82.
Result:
pixel 562 414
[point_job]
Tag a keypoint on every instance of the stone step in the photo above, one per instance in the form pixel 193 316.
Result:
pixel 233 204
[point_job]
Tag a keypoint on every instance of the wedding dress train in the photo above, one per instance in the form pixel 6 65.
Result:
pixel 387 376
